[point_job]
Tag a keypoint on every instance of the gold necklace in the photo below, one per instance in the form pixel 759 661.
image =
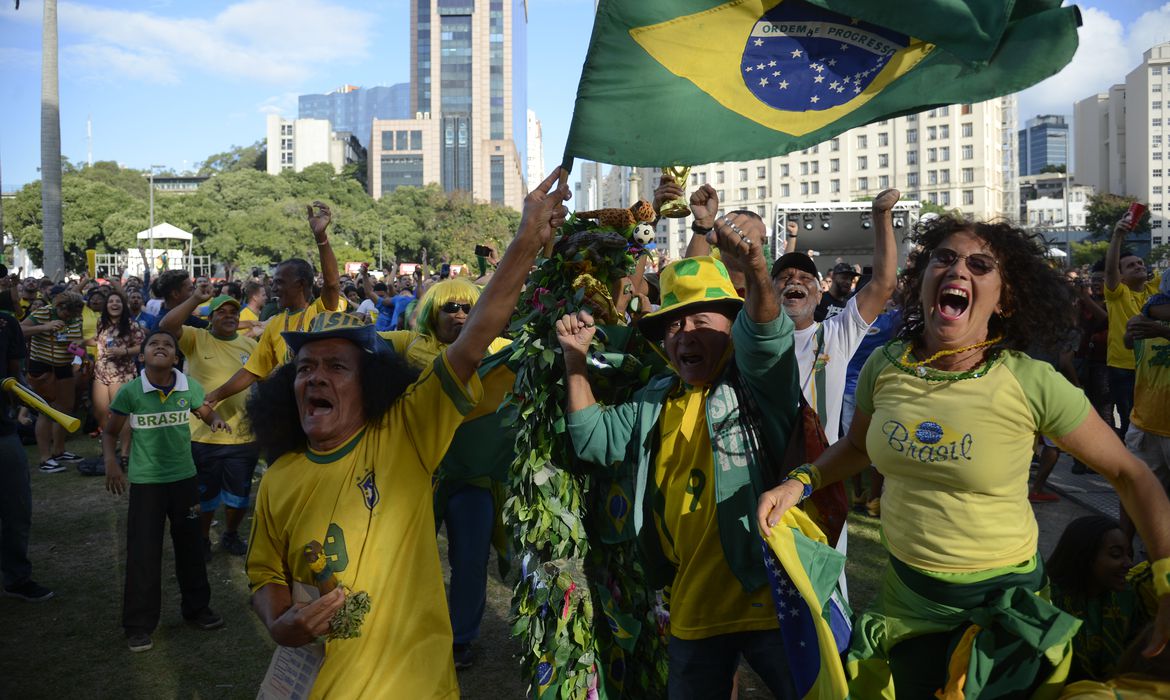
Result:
pixel 922 365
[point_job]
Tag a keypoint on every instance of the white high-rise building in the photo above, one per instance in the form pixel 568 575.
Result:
pixel 1120 138
pixel 535 168
pixel 959 157
pixel 298 143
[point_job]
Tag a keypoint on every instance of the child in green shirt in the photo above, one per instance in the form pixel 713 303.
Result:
pixel 163 485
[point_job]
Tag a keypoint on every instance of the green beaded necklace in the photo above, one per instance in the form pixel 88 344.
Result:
pixel 922 370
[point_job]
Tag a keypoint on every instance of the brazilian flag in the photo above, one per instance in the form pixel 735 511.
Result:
pixel 686 82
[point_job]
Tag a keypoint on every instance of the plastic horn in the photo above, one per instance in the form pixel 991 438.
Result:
pixel 35 402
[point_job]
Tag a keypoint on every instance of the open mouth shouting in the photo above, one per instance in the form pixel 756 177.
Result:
pixel 793 293
pixel 953 302
pixel 690 359
pixel 317 407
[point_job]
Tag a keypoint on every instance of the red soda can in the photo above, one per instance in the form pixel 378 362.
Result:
pixel 1134 215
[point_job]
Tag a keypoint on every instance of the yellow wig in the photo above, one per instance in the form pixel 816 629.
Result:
pixel 440 293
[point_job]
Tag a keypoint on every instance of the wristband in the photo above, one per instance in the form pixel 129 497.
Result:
pixel 703 230
pixel 324 242
pixel 809 476
pixel 1161 569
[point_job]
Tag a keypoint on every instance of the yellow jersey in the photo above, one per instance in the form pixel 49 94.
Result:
pixel 212 362
pixel 271 351
pixel 368 503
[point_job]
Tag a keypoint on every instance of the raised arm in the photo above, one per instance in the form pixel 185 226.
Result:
pixel 176 317
pixel 872 298
pixel 734 235
pixel 575 333
pixel 792 232
pixel 544 211
pixel 1113 256
pixel 318 224
pixel 704 205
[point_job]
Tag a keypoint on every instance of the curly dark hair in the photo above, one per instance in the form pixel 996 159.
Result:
pixel 275 421
pixel 1038 312
pixel 1070 566
pixel 123 322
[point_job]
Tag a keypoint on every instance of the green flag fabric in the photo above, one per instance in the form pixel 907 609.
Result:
pixel 686 82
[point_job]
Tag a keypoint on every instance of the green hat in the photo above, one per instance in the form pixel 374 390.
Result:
pixel 220 301
pixel 691 285
pixel 338 324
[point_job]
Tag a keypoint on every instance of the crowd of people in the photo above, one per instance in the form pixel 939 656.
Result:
pixel 372 406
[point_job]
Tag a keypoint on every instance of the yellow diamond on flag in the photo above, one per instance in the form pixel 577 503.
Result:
pixel 785 64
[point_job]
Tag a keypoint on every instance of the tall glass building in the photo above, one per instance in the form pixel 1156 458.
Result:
pixel 469 88
pixel 353 109
pixel 1043 143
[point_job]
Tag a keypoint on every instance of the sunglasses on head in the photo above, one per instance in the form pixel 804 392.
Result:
pixel 978 263
pixel 454 307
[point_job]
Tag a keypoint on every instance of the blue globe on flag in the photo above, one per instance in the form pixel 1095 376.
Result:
pixel 802 58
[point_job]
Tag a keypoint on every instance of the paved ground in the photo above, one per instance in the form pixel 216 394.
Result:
pixel 1081 494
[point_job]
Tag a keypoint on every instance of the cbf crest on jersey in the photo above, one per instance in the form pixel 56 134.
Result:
pixel 369 489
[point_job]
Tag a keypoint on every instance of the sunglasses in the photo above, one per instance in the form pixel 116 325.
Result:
pixel 454 307
pixel 978 263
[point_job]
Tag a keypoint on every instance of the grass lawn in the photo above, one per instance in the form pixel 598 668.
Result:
pixel 73 646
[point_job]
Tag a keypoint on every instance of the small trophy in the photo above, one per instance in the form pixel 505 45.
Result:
pixel 677 208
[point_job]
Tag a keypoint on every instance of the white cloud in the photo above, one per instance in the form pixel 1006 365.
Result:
pixel 1107 52
pixel 271 41
pixel 284 104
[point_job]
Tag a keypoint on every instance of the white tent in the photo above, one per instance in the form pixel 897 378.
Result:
pixel 1057 252
pixel 164 232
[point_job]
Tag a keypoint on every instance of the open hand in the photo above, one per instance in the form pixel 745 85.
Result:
pixel 115 478
pixel 774 503
pixel 544 209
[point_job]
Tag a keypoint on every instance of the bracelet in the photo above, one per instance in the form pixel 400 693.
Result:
pixel 704 230
pixel 1161 569
pixel 324 242
pixel 808 475
pixel 792 235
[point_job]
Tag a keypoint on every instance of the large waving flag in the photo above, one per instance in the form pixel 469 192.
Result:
pixel 814 620
pixel 685 82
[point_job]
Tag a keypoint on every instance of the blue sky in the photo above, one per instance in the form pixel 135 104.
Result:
pixel 171 82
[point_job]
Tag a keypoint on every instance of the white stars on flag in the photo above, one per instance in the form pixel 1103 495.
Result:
pixel 775 73
pixel 818 78
pixel 771 64
pixel 783 85
pixel 763 82
pixel 797 53
pixel 814 99
pixel 758 42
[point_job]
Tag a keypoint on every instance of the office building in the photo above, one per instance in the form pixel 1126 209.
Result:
pixel 468 76
pixel 960 157
pixel 403 154
pixel 350 108
pixel 1042 201
pixel 298 143
pixel 1121 139
pixel 1043 143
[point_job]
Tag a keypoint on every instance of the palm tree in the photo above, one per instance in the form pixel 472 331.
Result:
pixel 54 246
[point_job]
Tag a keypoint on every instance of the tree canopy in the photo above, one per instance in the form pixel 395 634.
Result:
pixel 1105 210
pixel 243 217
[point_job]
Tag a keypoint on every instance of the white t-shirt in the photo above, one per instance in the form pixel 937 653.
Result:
pixel 153 306
pixel 366 307
pixel 843 333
